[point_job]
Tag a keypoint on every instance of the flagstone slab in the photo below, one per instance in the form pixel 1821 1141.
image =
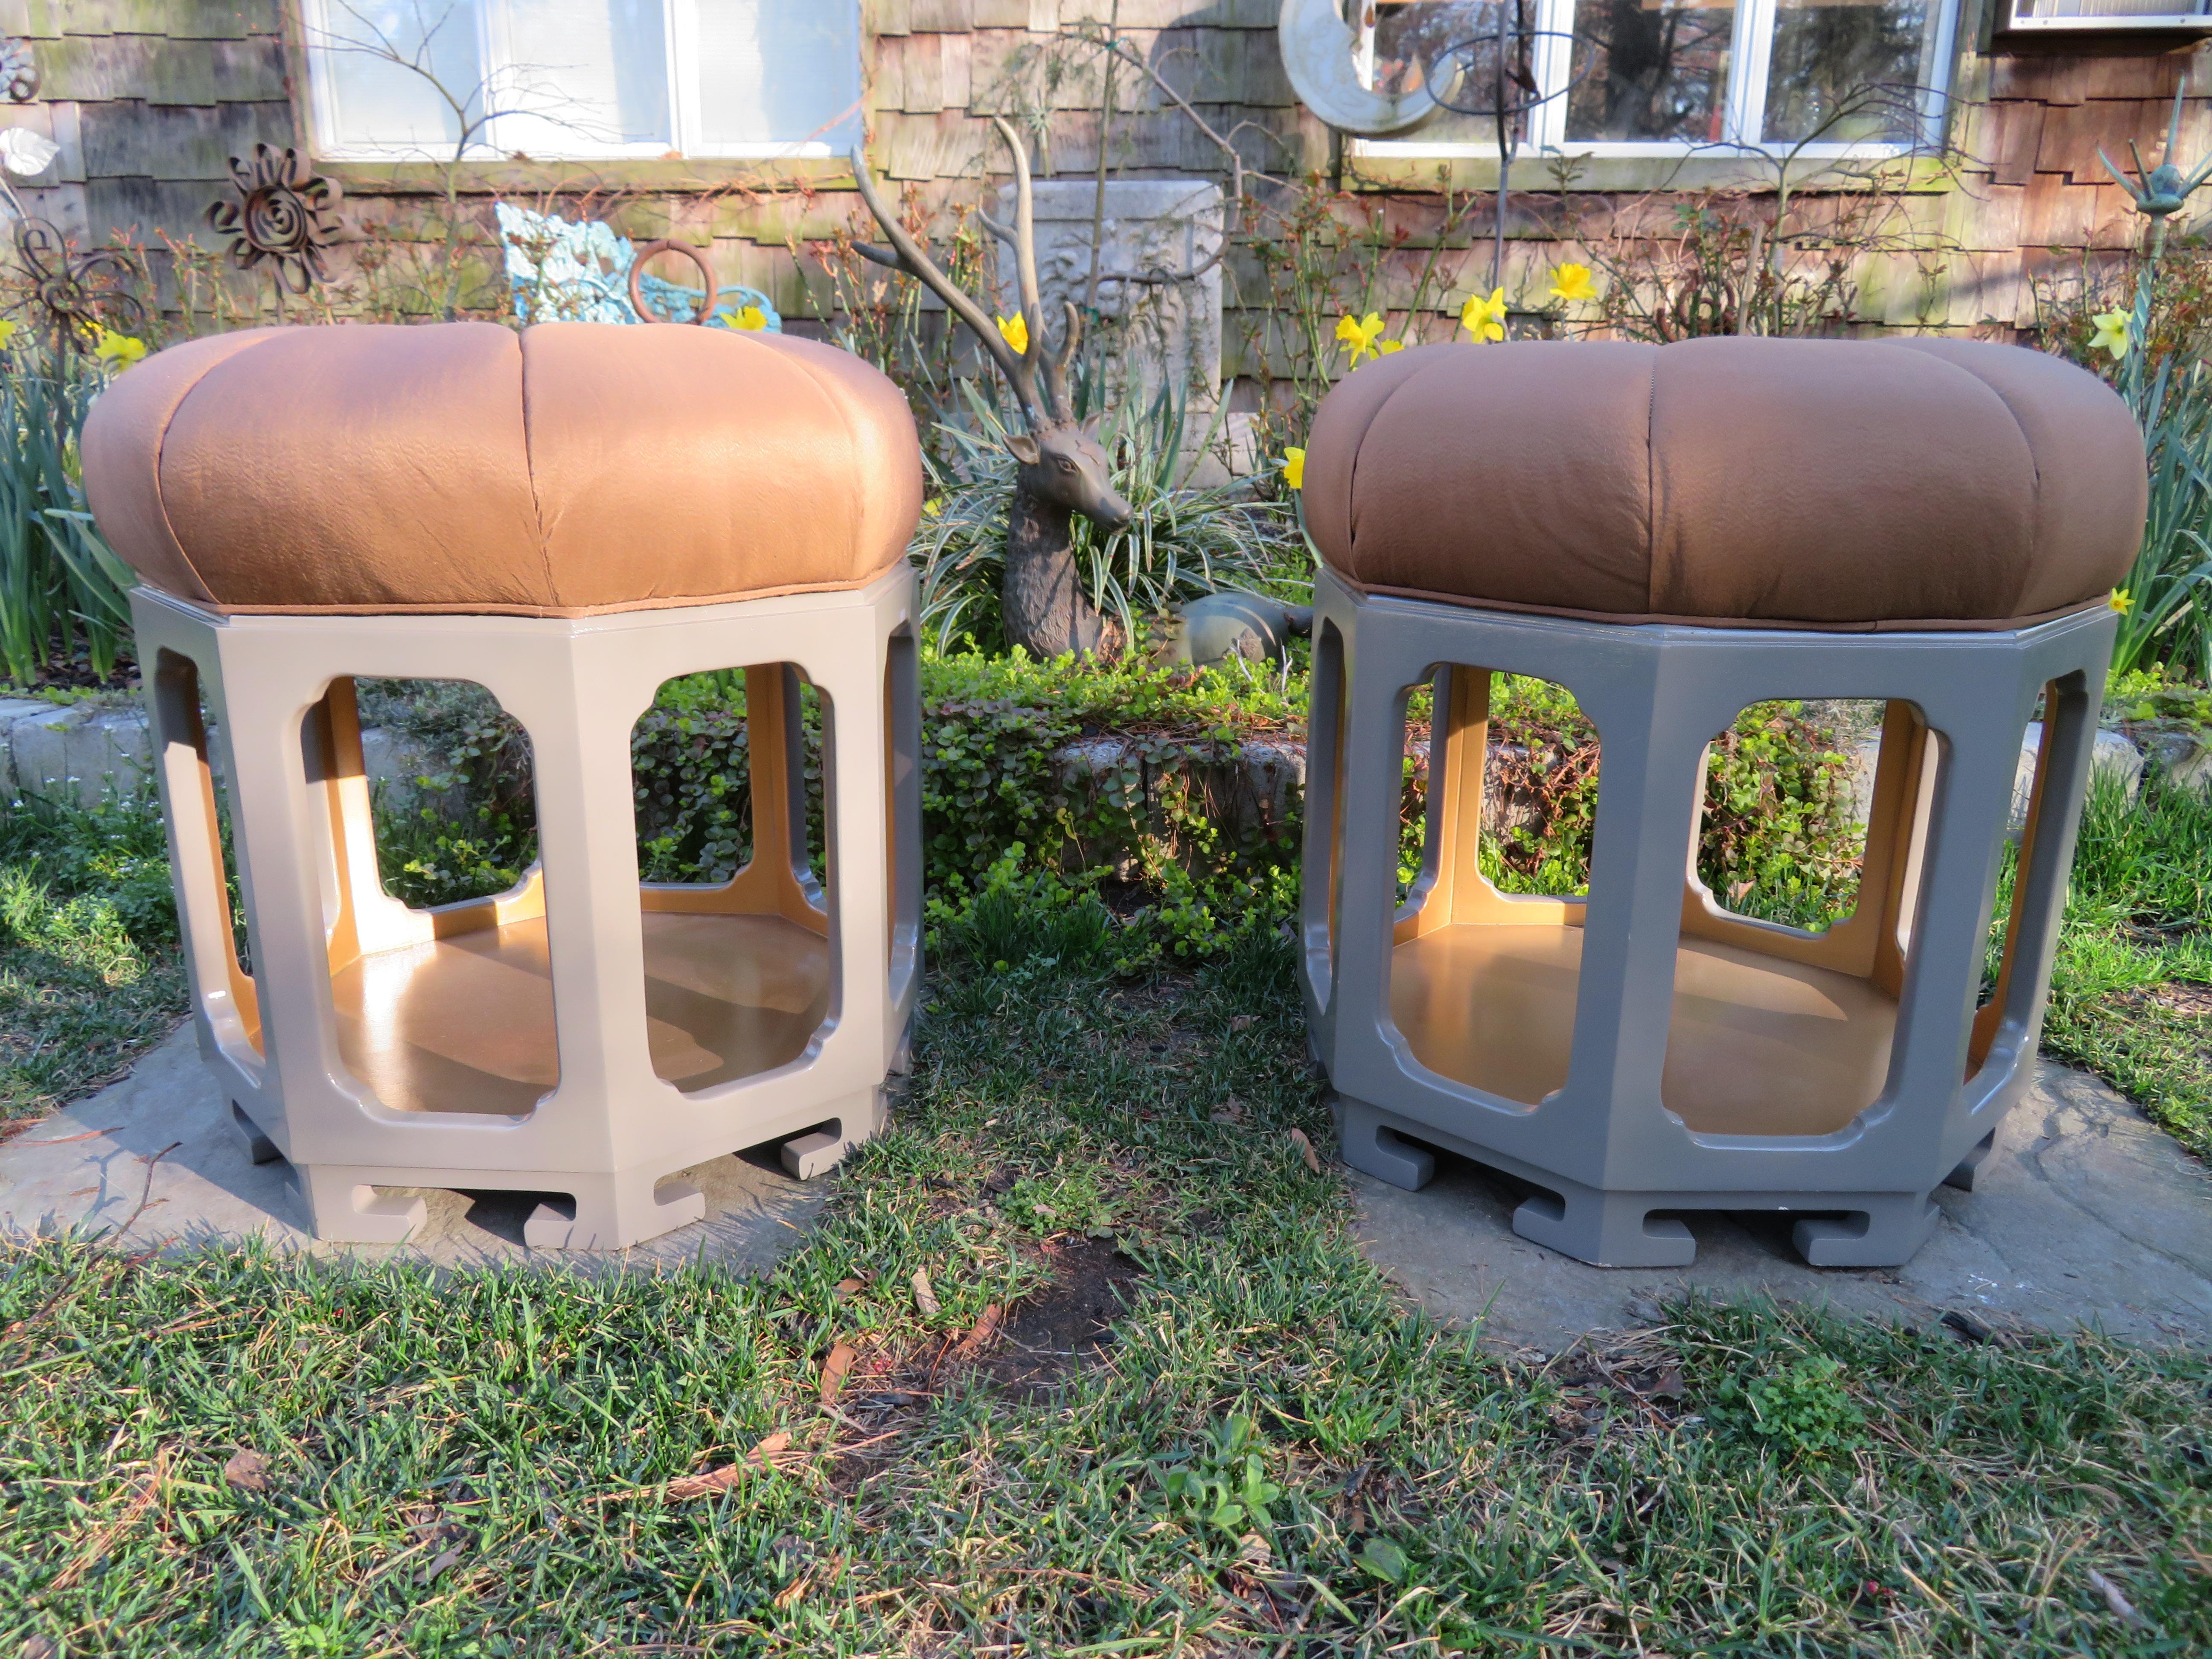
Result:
pixel 2084 1215
pixel 152 1160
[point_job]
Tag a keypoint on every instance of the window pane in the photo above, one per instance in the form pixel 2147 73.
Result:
pixel 1849 70
pixel 363 50
pixel 1411 35
pixel 584 74
pixel 1651 70
pixel 780 72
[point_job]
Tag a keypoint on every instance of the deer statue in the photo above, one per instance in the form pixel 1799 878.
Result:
pixel 1061 468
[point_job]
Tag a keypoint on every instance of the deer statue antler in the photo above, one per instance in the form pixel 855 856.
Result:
pixel 1061 468
pixel 907 255
pixel 1034 370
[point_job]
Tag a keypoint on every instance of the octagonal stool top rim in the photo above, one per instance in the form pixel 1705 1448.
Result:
pixel 466 468
pixel 1882 486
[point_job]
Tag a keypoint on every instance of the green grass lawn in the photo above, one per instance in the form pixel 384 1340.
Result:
pixel 2131 987
pixel 89 971
pixel 1270 1455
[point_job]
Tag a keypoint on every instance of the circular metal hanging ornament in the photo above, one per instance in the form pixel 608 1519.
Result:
pixel 1492 76
pixel 646 313
pixel 19 71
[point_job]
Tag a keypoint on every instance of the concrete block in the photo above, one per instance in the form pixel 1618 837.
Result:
pixel 2181 753
pixel 82 749
pixel 2115 757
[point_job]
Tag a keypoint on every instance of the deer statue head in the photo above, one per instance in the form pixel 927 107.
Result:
pixel 1061 467
pixel 1062 464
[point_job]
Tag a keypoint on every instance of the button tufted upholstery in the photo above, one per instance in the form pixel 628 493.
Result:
pixel 1909 483
pixel 572 469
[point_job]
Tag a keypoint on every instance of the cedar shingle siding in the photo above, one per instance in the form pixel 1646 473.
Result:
pixel 149 98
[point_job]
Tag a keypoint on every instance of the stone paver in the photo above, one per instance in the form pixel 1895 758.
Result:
pixel 2084 1215
pixel 153 1156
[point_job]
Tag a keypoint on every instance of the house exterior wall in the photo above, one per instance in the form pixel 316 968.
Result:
pixel 150 99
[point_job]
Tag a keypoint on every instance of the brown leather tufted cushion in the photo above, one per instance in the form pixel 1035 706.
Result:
pixel 1840 483
pixel 572 469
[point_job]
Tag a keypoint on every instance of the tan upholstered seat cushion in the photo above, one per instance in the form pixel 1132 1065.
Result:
pixel 1842 483
pixel 571 468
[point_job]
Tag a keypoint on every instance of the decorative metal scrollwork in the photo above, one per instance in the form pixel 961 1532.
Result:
pixel 77 296
pixel 285 214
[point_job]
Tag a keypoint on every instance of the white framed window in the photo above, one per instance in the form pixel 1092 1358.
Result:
pixel 560 80
pixel 1673 77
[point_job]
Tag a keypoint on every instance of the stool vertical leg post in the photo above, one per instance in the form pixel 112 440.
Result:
pixel 1361 934
pixel 1966 838
pixel 904 879
pixel 1321 850
pixel 857 813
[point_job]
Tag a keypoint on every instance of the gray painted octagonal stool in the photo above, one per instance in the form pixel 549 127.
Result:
pixel 569 518
pixel 1673 534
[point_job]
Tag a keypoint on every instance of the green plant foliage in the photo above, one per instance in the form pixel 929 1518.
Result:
pixel 1224 1484
pixel 1184 540
pixel 1776 840
pixel 1802 1409
pixel 61 588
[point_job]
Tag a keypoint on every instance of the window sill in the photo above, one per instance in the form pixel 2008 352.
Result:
pixel 486 178
pixel 1398 169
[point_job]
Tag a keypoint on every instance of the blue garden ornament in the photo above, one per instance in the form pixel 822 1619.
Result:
pixel 564 271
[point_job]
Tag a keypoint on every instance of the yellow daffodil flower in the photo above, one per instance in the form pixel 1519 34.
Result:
pixel 752 320
pixel 119 351
pixel 1485 318
pixel 2111 335
pixel 1387 347
pixel 1572 283
pixel 2119 600
pixel 1360 333
pixel 1015 331
pixel 1294 468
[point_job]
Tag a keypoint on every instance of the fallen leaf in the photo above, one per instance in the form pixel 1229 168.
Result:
pixel 2122 1608
pixel 925 1294
pixel 39 1647
pixel 1230 1111
pixel 980 1337
pixel 443 1559
pixel 1243 1022
pixel 1671 1384
pixel 700 1485
pixel 848 1289
pixel 1306 1150
pixel 833 1371
pixel 247 1470
pixel 1383 1558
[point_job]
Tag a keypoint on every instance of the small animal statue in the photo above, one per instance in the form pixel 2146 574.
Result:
pixel 1061 468
pixel 1232 626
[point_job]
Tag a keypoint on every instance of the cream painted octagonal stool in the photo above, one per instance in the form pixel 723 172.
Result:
pixel 569 517
pixel 1674 534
